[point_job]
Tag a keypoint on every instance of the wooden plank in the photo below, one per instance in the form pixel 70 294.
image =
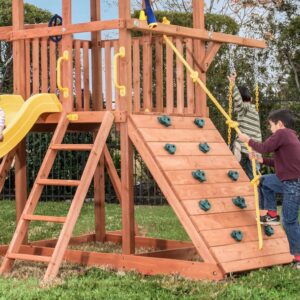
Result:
pixel 147 74
pixel 179 78
pixel 189 82
pixel 136 76
pixel 79 104
pixel 67 29
pixel 201 191
pixel 189 149
pixel 169 163
pixel 53 219
pixel 240 251
pixel 27 70
pixel 86 77
pixel 169 193
pixel 73 147
pixel 169 80
pixel 58 182
pixel 35 66
pixel 108 78
pixel 211 52
pixel 177 122
pixel 182 253
pixel 233 220
pixel 200 34
pixel 178 177
pixel 257 262
pixel 145 265
pixel 159 83
pixel 116 104
pixel 218 205
pixel 221 237
pixel 181 135
pixel 21 256
pixel 52 66
pixel 44 65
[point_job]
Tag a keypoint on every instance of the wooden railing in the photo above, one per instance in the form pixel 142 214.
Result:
pixel 159 81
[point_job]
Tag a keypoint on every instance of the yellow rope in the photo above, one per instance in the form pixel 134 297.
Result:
pixel 232 124
pixel 257 97
pixel 229 111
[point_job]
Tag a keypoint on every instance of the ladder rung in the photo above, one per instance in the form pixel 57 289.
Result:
pixel 74 147
pixel 59 182
pixel 44 218
pixel 21 256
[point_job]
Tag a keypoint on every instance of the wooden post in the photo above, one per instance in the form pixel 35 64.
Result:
pixel 19 88
pixel 199 50
pixel 67 66
pixel 128 245
pixel 99 178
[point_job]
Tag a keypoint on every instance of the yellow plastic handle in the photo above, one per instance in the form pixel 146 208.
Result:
pixel 122 88
pixel 64 90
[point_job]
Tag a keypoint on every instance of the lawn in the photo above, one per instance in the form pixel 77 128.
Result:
pixel 77 282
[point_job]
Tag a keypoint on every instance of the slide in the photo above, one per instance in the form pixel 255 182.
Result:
pixel 21 116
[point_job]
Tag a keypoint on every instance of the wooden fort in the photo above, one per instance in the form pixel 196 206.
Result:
pixel 95 104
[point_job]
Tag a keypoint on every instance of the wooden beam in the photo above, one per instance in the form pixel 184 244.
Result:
pixel 187 253
pixel 201 34
pixel 211 52
pixel 145 265
pixel 66 29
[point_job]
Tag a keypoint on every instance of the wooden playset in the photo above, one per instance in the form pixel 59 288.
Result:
pixel 169 127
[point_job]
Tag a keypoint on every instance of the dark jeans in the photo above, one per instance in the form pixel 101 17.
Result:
pixel 247 165
pixel 270 185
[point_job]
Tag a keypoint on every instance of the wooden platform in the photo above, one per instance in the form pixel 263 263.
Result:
pixel 209 231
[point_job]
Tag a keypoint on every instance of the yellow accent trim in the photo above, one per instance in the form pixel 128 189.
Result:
pixel 72 117
pixel 64 90
pixel 234 125
pixel 122 88
pixel 166 21
pixel 142 16
pixel 21 116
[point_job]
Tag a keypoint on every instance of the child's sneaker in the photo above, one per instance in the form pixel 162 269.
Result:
pixel 268 220
pixel 296 264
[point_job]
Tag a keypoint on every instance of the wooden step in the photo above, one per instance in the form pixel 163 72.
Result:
pixel 72 147
pixel 44 218
pixel 58 182
pixel 29 257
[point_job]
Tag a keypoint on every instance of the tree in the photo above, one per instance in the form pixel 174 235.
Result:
pixel 33 15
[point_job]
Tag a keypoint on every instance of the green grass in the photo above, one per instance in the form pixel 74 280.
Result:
pixel 77 282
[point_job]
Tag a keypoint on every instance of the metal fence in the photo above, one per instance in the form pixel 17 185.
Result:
pixel 69 165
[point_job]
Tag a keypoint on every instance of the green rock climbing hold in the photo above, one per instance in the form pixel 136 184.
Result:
pixel 199 122
pixel 199 175
pixel 204 205
pixel 171 148
pixel 234 175
pixel 164 120
pixel 204 147
pixel 269 230
pixel 237 235
pixel 239 202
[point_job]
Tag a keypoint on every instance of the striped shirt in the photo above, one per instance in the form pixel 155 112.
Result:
pixel 247 117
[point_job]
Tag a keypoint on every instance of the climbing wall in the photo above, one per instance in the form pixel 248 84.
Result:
pixel 204 203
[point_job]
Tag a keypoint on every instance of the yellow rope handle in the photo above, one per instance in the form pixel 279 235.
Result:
pixel 64 90
pixel 122 88
pixel 229 111
pixel 257 97
pixel 232 124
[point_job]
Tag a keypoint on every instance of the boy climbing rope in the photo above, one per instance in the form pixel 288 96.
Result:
pixel 285 145
pixel 2 123
pixel 249 123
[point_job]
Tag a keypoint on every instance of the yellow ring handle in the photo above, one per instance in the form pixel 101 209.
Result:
pixel 64 90
pixel 122 88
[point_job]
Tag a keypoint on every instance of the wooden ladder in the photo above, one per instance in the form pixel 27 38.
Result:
pixel 69 221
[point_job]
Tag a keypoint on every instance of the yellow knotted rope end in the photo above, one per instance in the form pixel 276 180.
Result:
pixel 232 124
pixel 194 76
pixel 255 180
